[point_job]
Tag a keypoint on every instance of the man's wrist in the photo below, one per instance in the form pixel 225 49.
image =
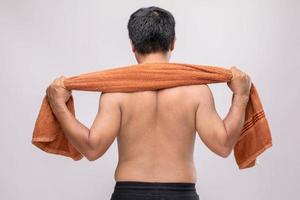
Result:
pixel 58 107
pixel 240 100
pixel 242 96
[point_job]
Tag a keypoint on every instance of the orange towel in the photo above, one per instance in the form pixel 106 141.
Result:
pixel 255 137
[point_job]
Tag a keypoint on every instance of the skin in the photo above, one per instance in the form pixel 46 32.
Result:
pixel 155 130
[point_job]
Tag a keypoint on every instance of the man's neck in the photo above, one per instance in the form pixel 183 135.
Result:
pixel 153 58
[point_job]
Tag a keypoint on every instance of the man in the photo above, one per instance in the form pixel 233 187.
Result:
pixel 155 130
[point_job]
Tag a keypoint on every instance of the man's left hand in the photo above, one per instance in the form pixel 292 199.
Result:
pixel 56 92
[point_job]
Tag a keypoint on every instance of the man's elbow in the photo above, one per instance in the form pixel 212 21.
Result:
pixel 226 149
pixel 91 156
pixel 225 153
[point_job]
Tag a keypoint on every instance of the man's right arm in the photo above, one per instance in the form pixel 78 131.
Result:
pixel 235 119
pixel 219 135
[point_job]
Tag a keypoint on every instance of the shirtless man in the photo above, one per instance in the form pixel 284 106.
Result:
pixel 155 130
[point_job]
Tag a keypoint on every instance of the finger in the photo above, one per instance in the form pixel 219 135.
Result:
pixel 59 79
pixel 56 80
pixel 234 71
pixel 237 69
pixel 61 83
pixel 62 77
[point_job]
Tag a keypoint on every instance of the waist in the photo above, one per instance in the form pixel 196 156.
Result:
pixel 176 173
pixel 141 185
pixel 154 190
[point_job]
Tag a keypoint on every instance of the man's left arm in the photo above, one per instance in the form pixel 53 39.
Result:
pixel 94 142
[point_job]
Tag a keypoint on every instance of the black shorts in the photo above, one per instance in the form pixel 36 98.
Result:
pixel 136 190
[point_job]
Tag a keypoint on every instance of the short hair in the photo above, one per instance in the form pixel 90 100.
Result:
pixel 151 29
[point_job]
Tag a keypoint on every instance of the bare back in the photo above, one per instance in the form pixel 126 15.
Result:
pixel 157 135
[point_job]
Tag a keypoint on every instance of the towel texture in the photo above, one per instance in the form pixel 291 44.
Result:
pixel 255 137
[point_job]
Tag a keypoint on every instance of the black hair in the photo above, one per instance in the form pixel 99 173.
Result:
pixel 151 29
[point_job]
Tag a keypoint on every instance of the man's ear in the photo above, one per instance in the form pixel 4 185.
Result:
pixel 132 47
pixel 173 44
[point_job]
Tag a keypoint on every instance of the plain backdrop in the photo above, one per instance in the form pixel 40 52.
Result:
pixel 41 40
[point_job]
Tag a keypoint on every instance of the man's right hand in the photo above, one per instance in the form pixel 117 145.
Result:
pixel 240 83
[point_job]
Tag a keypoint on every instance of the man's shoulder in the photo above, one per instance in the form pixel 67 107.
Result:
pixel 113 97
pixel 113 94
pixel 200 89
pixel 199 92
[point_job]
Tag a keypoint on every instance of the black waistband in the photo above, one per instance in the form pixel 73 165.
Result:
pixel 154 185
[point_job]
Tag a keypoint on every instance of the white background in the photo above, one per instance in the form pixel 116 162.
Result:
pixel 41 40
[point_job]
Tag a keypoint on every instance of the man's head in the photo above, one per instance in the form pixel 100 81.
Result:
pixel 151 32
